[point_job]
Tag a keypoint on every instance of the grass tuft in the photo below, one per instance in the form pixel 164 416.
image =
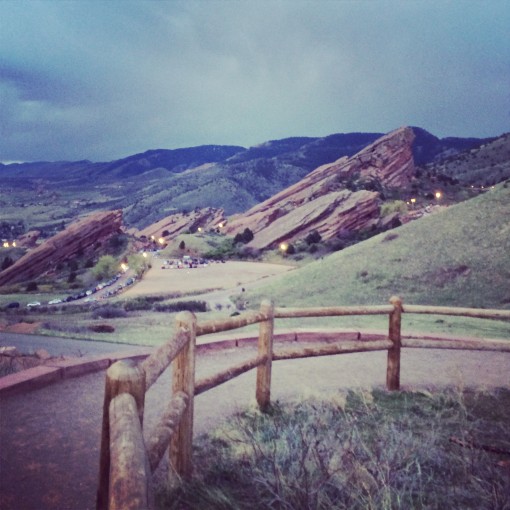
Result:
pixel 358 450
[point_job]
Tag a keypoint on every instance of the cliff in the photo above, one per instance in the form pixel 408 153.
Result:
pixel 333 198
pixel 80 237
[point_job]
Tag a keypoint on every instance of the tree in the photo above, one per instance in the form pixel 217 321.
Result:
pixel 313 237
pixel 32 286
pixel 7 262
pixel 138 263
pixel 244 237
pixel 105 268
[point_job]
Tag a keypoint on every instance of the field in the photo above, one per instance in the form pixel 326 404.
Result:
pixel 229 275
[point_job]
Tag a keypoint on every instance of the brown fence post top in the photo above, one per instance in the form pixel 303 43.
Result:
pixel 396 301
pixel 185 317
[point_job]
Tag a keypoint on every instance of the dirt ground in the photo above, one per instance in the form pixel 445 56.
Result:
pixel 217 275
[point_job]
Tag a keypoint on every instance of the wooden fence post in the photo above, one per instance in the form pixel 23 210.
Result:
pixel 121 377
pixel 265 348
pixel 393 367
pixel 183 379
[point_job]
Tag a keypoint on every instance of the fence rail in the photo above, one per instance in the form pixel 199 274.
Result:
pixel 127 461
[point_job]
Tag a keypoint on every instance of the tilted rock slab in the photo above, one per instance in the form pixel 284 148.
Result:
pixel 207 218
pixel 81 236
pixel 321 202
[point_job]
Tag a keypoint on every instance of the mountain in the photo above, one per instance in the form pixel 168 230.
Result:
pixel 152 185
pixel 325 202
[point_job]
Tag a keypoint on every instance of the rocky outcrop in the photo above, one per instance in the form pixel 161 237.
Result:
pixel 322 201
pixel 28 240
pixel 80 237
pixel 171 226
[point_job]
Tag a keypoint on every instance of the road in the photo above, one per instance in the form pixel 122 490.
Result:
pixel 56 346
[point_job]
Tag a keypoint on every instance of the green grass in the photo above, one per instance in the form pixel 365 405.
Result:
pixel 457 257
pixel 359 450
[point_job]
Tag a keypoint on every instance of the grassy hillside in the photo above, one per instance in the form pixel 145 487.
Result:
pixel 486 165
pixel 459 256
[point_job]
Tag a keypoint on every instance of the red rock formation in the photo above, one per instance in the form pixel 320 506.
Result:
pixel 28 240
pixel 80 236
pixel 321 202
pixel 175 224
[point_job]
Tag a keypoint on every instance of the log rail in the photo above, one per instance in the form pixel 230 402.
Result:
pixel 128 457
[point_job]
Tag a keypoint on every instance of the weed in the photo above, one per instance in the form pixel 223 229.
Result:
pixel 360 450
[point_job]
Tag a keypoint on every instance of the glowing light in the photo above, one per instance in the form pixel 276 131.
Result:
pixel 413 200
pixel 124 267
pixel 200 229
pixel 220 225
pixel 6 244
pixel 161 240
pixel 144 254
pixel 14 244
pixel 284 247
pixel 153 238
pixel 438 195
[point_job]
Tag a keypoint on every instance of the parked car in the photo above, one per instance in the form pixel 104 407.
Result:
pixel 35 303
pixel 54 301
pixel 14 304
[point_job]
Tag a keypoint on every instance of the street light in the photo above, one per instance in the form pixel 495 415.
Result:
pixel 438 195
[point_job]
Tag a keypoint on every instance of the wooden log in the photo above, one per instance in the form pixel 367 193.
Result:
pixel 464 312
pixel 122 377
pixel 265 350
pixel 331 311
pixel 130 476
pixel 228 374
pixel 240 321
pixel 331 349
pixel 183 380
pixel 393 366
pixel 444 343
pixel 159 439
pixel 160 359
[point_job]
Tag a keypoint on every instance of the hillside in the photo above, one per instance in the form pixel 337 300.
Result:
pixel 153 184
pixel 485 165
pixel 458 256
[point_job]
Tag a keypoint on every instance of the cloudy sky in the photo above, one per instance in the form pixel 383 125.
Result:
pixel 101 80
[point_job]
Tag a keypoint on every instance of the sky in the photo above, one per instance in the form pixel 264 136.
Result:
pixel 101 80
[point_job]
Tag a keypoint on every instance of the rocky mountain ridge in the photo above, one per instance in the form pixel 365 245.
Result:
pixel 321 201
pixel 150 185
pixel 84 236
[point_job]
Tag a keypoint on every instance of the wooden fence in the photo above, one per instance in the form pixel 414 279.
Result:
pixel 127 461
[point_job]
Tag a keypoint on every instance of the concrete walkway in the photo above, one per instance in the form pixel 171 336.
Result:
pixel 49 437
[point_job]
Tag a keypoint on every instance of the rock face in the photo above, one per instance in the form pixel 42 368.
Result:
pixel 29 240
pixel 81 236
pixel 322 202
pixel 175 224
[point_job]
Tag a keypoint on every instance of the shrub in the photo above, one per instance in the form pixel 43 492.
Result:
pixel 31 286
pixel 105 268
pixel 7 262
pixel 109 312
pixel 313 237
pixel 102 328
pixel 180 306
pixel 245 237
pixel 393 206
pixel 142 303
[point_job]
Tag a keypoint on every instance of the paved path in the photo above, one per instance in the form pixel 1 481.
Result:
pixel 49 438
pixel 56 346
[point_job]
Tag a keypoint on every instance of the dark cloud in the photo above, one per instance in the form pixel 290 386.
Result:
pixel 101 80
